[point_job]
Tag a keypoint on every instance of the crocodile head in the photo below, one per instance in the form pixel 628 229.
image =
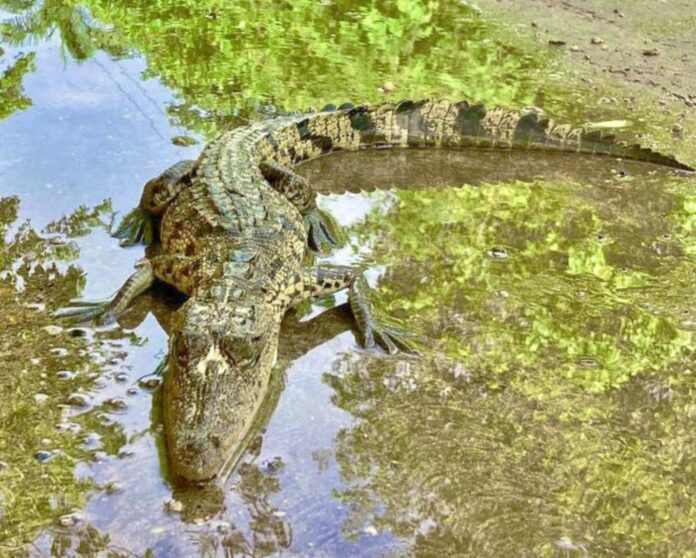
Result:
pixel 223 345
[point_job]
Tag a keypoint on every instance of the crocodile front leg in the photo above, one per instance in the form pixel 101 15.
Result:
pixel 324 232
pixel 177 271
pixel 140 225
pixel 323 280
pixel 106 311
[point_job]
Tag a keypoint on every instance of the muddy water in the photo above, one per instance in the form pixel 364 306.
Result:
pixel 551 410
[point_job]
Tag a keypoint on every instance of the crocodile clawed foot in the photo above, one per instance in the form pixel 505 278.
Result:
pixel 138 227
pixel 390 337
pixel 82 311
pixel 325 234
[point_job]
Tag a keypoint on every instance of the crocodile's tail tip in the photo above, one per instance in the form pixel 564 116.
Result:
pixel 138 227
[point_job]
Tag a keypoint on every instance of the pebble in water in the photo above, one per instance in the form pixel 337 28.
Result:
pixel 77 332
pixel 588 362
pixel 125 453
pixel 116 403
pixel 113 487
pixel 44 456
pixel 174 506
pixel 150 383
pixel 78 400
pixel 497 253
pixel 70 520
pixel 71 427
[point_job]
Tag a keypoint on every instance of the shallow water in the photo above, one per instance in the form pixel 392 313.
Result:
pixel 551 411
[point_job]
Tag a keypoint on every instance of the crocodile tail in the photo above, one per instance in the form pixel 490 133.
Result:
pixel 441 123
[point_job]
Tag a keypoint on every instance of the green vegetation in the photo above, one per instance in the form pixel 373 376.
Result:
pixel 41 438
pixel 11 93
pixel 560 410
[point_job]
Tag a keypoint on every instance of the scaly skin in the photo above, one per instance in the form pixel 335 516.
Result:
pixel 234 227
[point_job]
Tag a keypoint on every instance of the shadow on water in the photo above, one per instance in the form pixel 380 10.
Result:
pixel 551 412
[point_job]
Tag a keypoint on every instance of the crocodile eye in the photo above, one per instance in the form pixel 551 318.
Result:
pixel 182 350
pixel 189 346
pixel 243 352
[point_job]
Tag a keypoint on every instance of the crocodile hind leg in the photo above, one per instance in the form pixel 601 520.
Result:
pixel 140 225
pixel 322 280
pixel 106 311
pixel 324 232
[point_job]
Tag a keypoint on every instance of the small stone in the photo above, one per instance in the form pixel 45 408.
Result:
pixel 132 391
pixel 59 351
pixel 53 329
pixel 36 306
pixel 151 383
pixel 77 332
pixel 113 487
pixel 650 52
pixel 371 530
pixel 588 362
pixel 70 520
pixel 596 40
pixel 388 87
pixel 497 253
pixel 557 42
pixel 43 456
pixel 78 400
pixel 99 456
pixel 618 13
pixel 125 453
pixel 40 398
pixel 575 48
pixel 121 377
pixel 46 442
pixel 71 427
pixel 174 506
pixel 64 374
pixel 3 465
pixel 678 131
pixel 116 403
pixel 184 141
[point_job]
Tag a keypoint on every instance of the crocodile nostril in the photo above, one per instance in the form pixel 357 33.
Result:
pixel 192 448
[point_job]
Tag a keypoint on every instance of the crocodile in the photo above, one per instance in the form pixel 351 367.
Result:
pixel 233 230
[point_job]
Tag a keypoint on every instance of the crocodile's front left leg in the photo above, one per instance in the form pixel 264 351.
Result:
pixel 106 311
pixel 177 271
pixel 140 225
pixel 323 280
pixel 324 232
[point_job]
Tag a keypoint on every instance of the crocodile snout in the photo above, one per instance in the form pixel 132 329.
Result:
pixel 197 459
